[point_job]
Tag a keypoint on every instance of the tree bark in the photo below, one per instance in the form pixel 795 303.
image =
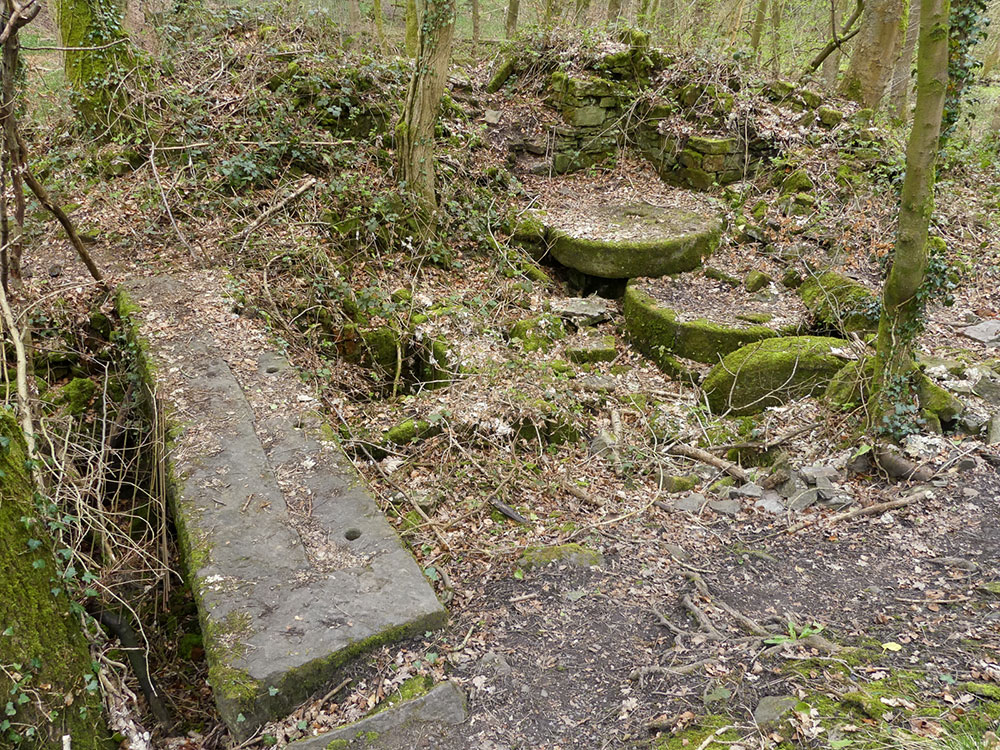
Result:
pixel 899 89
pixel 875 51
pixel 411 28
pixel 757 30
pixel 354 15
pixel 777 11
pixel 475 25
pixel 614 11
pixel 901 308
pixel 415 133
pixel 513 7
pixel 379 22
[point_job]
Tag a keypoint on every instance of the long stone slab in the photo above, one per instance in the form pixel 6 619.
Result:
pixel 401 727
pixel 293 567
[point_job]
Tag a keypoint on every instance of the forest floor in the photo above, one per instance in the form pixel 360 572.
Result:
pixel 881 628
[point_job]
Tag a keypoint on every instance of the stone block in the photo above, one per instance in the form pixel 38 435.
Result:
pixel 706 145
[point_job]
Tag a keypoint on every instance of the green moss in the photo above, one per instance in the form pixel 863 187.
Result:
pixel 659 333
pixel 694 736
pixel 338 745
pixel 408 690
pixel 851 384
pixel 797 182
pixel 936 400
pixel 725 278
pixel 771 372
pixel 600 349
pixel 41 629
pixel 840 303
pixel 539 332
pixel 410 430
pixel 706 145
pixel 679 483
pixel 571 554
pixel 383 347
pixel 983 690
pixel 77 394
pixel 755 281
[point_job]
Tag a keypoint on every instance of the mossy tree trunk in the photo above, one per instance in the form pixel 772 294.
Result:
pixel 777 11
pixel 476 25
pixel 614 11
pixel 415 133
pixel 379 22
pixel 901 305
pixel 45 667
pixel 513 8
pixel 876 49
pixel 899 89
pixel 92 73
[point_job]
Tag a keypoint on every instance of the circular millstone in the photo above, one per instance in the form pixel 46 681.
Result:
pixel 631 239
pixel 701 318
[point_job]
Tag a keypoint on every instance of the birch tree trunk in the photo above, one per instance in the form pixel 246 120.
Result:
pixel 875 51
pixel 415 133
pixel 901 308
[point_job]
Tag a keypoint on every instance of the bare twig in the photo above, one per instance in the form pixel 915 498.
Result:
pixel 698 454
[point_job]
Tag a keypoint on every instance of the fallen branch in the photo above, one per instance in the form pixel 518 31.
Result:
pixel 307 184
pixel 683 669
pixel 581 494
pixel 23 403
pixel 902 468
pixel 698 454
pixel 847 515
pixel 767 445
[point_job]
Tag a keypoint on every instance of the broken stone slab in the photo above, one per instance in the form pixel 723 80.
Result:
pixel 750 490
pixel 632 239
pixel 825 488
pixel 397 727
pixel 592 348
pixel 987 332
pixel 725 507
pixel 771 709
pixel 770 502
pixel 583 311
pixel 573 554
pixel 693 502
pixel 813 473
pixel 988 390
pixel 993 430
pixel 293 567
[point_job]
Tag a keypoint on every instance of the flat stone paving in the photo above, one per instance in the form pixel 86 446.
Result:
pixel 293 566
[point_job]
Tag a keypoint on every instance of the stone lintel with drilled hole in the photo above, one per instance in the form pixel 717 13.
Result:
pixel 294 569
pixel 634 239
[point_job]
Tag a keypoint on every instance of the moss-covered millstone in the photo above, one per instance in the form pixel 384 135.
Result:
pixel 624 241
pixel 697 317
pixel 41 634
pixel 566 554
pixel 772 372
pixel 840 304
pixel 280 613
pixel 592 348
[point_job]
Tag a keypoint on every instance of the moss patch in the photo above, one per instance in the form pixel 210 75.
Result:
pixel 772 372
pixel 569 554
pixel 841 304
pixel 539 332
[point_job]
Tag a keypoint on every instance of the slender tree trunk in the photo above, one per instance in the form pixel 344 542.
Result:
pixel 875 51
pixel 551 9
pixel 415 134
pixel 513 7
pixel 412 25
pixel 757 30
pixel 992 58
pixel 777 10
pixel 354 15
pixel 475 25
pixel 831 65
pixel 13 158
pixel 736 21
pixel 899 89
pixel 900 306
pixel 614 11
pixel 379 22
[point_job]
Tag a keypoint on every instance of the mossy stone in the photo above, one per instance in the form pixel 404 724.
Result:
pixel 593 349
pixel 840 303
pixel 755 281
pixel 568 554
pixel 936 400
pixel 852 383
pixel 410 430
pixel 772 372
pixel 725 278
pixel 539 332
pixel 504 72
pixel 658 332
pixel 713 146
pixel 77 394
pixel 829 117
pixel 797 182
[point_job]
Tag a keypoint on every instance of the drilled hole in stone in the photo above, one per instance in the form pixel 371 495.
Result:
pixel 272 368
pixel 352 534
